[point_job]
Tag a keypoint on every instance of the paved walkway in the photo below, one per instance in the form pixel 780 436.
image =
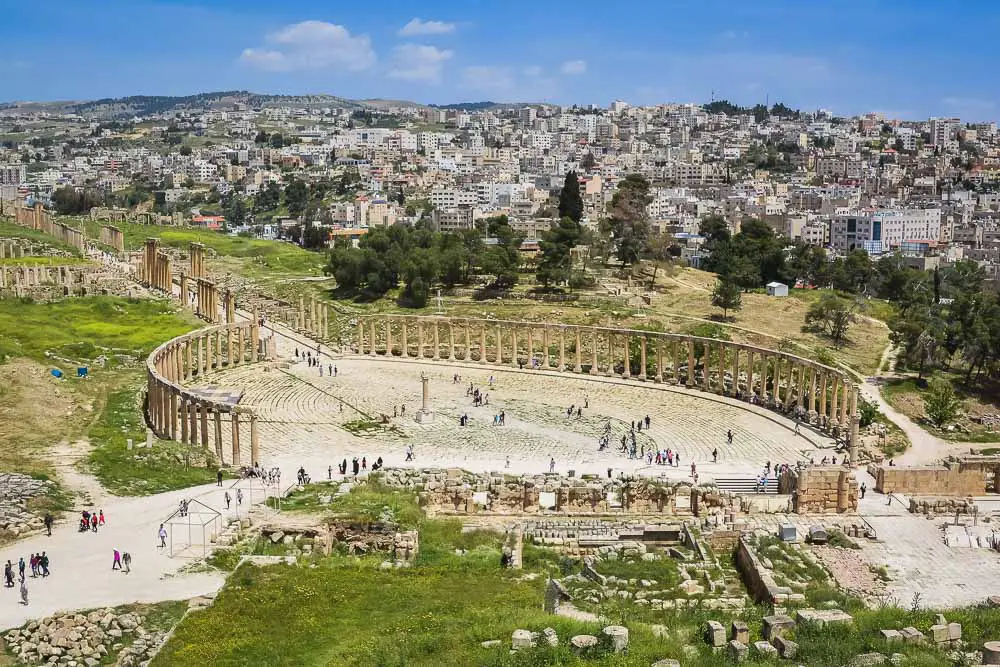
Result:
pixel 80 563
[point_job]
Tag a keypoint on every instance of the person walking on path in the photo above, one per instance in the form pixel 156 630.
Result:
pixel 228 499
pixel 43 561
pixel 729 436
pixel 552 464
pixel 239 496
pixel 20 567
pixel 100 517
pixel 48 523
pixel 127 561
pixel 715 455
pixel 863 489
pixel 8 575
pixel 218 477
pixel 117 564
pixel 24 592
pixel 163 536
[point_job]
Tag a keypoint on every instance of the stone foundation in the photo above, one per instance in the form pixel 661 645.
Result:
pixel 946 480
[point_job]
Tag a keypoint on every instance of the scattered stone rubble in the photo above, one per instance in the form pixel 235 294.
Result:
pixel 77 640
pixel 15 491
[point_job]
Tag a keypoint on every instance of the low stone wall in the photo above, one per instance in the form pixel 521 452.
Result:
pixel 454 490
pixel 758 579
pixel 825 490
pixel 947 480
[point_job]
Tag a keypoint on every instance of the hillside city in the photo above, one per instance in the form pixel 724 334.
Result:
pixel 924 189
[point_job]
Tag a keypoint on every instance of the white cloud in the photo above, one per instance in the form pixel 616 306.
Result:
pixel 419 27
pixel 574 67
pixel 488 77
pixel 312 45
pixel 532 71
pixel 418 62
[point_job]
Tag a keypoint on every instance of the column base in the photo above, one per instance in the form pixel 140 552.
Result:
pixel 424 417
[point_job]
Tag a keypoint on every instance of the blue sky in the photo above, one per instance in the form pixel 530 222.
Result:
pixel 908 58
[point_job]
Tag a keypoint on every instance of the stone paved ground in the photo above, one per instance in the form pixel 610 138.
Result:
pixel 301 420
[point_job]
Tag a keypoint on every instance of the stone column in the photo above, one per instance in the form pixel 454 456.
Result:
pixel 801 388
pixel 254 443
pixel 188 363
pixel 204 424
pixel 659 359
pixel 545 346
pixel 420 338
pixel 736 371
pixel 437 342
pixel 706 366
pixel 361 336
pixel 675 361
pixel 388 337
pixel 451 339
pixel 593 366
pixel 845 399
pixel 750 356
pixel 690 368
pixel 175 406
pixel 627 371
pixel 372 351
pixel 531 345
pixel 513 345
pixel 482 342
pixel 721 388
pixel 184 419
pixel 642 358
pixel 499 357
pixel 822 398
pixel 218 436
pixel 193 416
pixel 577 366
pixel 611 353
pixel 241 345
pixel 812 393
pixel 236 438
pixel 218 349
pixel 833 401
pixel 562 348
pixel 209 344
pixel 404 324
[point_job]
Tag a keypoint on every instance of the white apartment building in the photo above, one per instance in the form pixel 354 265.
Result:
pixel 881 230
pixel 12 174
pixel 453 219
pixel 201 171
pixel 944 130
pixel 450 198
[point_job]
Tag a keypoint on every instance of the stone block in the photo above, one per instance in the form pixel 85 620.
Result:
pixel 616 636
pixel 822 617
pixel 868 659
pixel 939 634
pixel 777 625
pixel 491 643
pixel 954 631
pixel 738 651
pixel 522 639
pixel 551 638
pixel 715 634
pixel 583 644
pixel 912 636
pixel 667 662
pixel 786 647
pixel 891 635
pixel 764 649
pixel 740 632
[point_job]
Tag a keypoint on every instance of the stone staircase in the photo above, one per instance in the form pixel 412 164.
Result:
pixel 745 485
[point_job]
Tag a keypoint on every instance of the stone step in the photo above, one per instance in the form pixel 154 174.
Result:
pixel 745 485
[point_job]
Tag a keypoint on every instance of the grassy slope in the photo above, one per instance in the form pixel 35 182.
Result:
pixel 76 331
pixel 904 395
pixel 9 230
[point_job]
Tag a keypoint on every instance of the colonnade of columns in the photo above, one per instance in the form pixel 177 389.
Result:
pixel 154 268
pixel 112 236
pixel 196 256
pixel 30 276
pixel 177 413
pixel 812 392
pixel 312 319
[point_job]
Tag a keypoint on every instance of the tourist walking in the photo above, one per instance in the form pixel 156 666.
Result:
pixel 552 464
pixel 228 499
pixel 43 561
pixel 127 562
pixel 239 496
pixel 48 523
pixel 729 437
pixel 117 564
pixel 863 489
pixel 24 592
pixel 715 455
pixel 163 536
pixel 8 575
pixel 100 517
pixel 218 477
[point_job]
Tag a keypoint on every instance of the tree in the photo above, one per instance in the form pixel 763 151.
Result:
pixel 185 150
pixel 727 296
pixel 570 202
pixel 587 162
pixel 296 197
pixel 557 245
pixel 276 140
pixel 234 209
pixel 832 315
pixel 629 217
pixel 941 405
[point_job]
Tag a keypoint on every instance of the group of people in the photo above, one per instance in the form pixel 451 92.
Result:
pixel 39 564
pixel 314 361
pixel 89 521
pixel 122 561
pixel 229 499
pixel 357 466
pixel 479 398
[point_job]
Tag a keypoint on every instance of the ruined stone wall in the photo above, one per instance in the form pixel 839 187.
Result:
pixel 946 480
pixel 455 490
pixel 825 490
pixel 759 582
